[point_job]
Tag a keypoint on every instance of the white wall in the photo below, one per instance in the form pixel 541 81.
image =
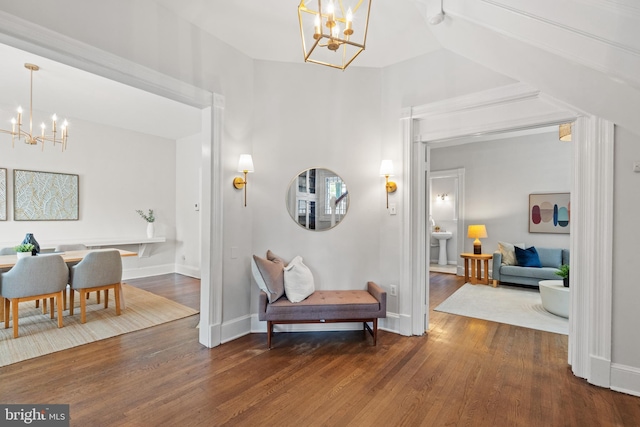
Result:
pixel 119 172
pixel 299 125
pixel 499 176
pixel 626 258
pixel 435 76
pixel 188 156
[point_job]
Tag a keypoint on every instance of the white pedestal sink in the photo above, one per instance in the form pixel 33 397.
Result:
pixel 442 237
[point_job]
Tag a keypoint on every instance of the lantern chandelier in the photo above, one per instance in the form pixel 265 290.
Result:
pixel 333 32
pixel 29 137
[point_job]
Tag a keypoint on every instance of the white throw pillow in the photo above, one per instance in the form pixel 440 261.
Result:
pixel 508 252
pixel 298 280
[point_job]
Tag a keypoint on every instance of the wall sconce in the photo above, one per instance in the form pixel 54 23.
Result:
pixel 386 170
pixel 477 231
pixel 245 165
pixel 442 197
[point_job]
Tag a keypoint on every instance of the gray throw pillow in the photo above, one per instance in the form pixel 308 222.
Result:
pixel 272 271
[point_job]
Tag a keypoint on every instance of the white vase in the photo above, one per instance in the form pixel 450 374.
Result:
pixel 23 254
pixel 150 230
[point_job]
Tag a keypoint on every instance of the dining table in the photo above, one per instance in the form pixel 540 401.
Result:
pixel 70 257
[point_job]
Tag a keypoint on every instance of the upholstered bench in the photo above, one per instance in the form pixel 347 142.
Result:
pixel 327 307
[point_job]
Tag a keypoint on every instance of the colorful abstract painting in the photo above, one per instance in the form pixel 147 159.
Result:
pixel 550 213
pixel 44 196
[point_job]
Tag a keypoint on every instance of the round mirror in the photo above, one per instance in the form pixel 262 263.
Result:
pixel 317 199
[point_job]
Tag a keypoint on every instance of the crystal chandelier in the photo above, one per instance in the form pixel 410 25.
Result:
pixel 29 138
pixel 333 32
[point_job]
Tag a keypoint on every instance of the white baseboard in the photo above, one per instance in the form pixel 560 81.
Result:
pixel 235 328
pixel 600 372
pixel 187 270
pixel 391 323
pixel 210 336
pixel 625 379
pixel 156 270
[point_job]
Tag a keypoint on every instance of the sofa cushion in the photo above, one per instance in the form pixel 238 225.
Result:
pixel 272 272
pixel 527 257
pixel 550 257
pixel 508 252
pixel 509 272
pixel 298 280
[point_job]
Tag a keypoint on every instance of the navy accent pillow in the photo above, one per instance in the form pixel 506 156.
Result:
pixel 528 257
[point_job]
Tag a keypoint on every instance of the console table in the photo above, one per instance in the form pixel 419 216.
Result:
pixel 473 264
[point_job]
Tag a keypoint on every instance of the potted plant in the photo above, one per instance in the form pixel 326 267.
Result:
pixel 563 272
pixel 24 250
pixel 150 218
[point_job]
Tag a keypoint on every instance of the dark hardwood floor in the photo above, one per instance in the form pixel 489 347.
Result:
pixel 464 372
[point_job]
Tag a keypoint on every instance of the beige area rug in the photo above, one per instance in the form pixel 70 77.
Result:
pixel 505 304
pixel 40 335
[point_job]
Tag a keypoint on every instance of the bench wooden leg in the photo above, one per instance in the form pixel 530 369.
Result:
pixel 375 331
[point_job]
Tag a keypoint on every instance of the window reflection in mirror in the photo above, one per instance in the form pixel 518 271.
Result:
pixel 317 199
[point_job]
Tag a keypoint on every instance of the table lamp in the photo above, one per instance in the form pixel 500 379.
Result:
pixel 477 231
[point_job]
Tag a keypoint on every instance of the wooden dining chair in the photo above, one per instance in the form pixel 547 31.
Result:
pixel 98 271
pixel 33 278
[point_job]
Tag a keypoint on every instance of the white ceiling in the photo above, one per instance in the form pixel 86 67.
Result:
pixel 76 94
pixel 398 31
pixel 269 30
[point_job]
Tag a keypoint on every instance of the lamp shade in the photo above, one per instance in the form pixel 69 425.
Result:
pixel 386 168
pixel 477 231
pixel 245 164
pixel 564 132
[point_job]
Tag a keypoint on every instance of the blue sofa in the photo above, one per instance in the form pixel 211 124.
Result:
pixel 550 259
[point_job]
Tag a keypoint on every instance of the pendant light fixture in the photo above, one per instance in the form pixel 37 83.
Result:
pixel 17 132
pixel 334 32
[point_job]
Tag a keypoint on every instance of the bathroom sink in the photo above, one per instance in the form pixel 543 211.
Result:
pixel 442 235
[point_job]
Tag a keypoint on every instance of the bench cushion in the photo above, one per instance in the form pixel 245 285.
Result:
pixel 326 305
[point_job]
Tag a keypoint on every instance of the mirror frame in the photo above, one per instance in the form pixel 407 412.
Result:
pixel 316 217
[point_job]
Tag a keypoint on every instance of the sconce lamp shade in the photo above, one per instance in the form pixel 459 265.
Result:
pixel 564 132
pixel 477 232
pixel 245 164
pixel 386 168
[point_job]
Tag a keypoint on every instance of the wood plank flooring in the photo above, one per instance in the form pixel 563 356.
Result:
pixel 464 372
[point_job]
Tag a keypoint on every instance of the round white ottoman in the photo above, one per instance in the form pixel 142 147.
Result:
pixel 555 297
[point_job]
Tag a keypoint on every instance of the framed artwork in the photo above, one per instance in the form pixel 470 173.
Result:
pixel 550 213
pixel 3 194
pixel 44 196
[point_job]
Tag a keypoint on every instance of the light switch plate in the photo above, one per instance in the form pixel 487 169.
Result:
pixel 392 209
pixel 636 166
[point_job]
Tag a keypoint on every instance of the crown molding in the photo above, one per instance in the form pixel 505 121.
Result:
pixel 26 35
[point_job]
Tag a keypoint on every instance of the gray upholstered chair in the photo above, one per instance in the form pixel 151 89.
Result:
pixel 33 278
pixel 98 271
pixel 73 247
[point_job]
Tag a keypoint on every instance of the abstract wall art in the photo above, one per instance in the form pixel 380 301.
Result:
pixel 44 196
pixel 550 213
pixel 3 194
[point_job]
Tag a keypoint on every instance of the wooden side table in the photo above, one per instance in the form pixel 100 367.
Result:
pixel 473 262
